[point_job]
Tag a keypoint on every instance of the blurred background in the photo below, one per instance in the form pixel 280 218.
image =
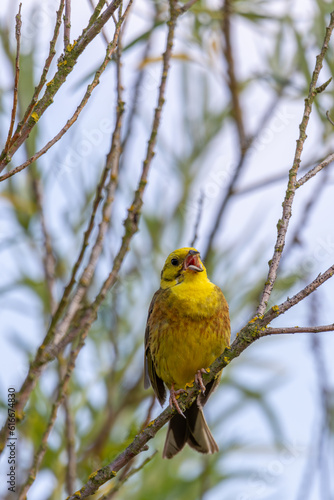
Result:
pixel 219 178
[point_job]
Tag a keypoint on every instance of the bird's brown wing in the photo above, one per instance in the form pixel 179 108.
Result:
pixel 151 377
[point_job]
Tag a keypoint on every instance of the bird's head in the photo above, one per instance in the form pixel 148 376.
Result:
pixel 184 263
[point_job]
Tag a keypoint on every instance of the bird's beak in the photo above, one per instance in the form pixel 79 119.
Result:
pixel 192 262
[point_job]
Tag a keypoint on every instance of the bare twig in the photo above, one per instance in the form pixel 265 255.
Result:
pixel 255 329
pixel 329 118
pixel 232 80
pixel 43 355
pixel 17 74
pixel 67 24
pixel 112 165
pixel 103 30
pixel 71 468
pixel 134 106
pixel 52 53
pixel 245 143
pixel 315 170
pixel 48 257
pixel 276 178
pixel 125 477
pixel 283 223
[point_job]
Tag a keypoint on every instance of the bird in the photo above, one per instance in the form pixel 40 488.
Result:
pixel 188 327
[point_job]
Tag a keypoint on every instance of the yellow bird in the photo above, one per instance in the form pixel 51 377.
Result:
pixel 188 327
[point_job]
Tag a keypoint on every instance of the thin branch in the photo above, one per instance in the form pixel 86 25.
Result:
pixel 255 329
pixel 132 220
pixel 49 260
pixel 198 219
pixel 17 74
pixel 67 24
pixel 329 118
pixel 125 477
pixel 134 106
pixel 103 30
pixel 112 165
pixel 42 81
pixel 283 223
pixel 270 180
pixel 66 64
pixel 232 80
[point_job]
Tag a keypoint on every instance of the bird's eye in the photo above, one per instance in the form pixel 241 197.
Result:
pixel 175 262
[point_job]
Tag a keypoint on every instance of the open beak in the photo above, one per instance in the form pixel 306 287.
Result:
pixel 192 262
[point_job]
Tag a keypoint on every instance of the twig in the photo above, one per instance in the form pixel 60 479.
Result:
pixel 283 223
pixel 272 180
pixel 133 110
pixel 112 165
pixel 52 53
pixel 232 80
pixel 103 30
pixel 329 118
pixel 132 220
pixel 65 66
pixel 198 219
pixel 43 356
pixel 125 477
pixel 39 455
pixel 67 24
pixel 245 149
pixel 110 50
pixel 48 257
pixel 184 8
pixel 17 74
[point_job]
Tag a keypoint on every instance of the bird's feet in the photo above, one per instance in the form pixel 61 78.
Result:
pixel 199 379
pixel 173 401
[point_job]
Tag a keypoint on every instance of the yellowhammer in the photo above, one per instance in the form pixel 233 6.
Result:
pixel 188 327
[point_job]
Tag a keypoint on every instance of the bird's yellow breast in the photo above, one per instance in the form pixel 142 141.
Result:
pixel 189 329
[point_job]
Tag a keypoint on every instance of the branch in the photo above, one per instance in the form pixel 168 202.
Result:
pixel 299 329
pixel 39 455
pixel 42 81
pixel 17 74
pixel 49 260
pixel 232 80
pixel 85 318
pixel 67 24
pixel 283 223
pixel 315 170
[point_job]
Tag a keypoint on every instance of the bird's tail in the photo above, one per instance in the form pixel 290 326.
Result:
pixel 192 430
